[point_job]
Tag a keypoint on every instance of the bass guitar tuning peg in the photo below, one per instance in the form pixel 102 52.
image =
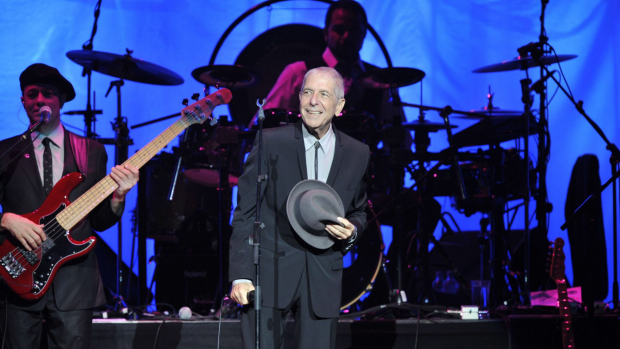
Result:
pixel 185 102
pixel 196 96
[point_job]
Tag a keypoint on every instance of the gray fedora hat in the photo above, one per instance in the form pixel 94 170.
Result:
pixel 311 205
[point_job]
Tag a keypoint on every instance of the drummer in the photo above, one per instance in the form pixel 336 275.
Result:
pixel 344 33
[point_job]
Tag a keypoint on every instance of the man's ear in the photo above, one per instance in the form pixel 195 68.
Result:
pixel 22 99
pixel 339 106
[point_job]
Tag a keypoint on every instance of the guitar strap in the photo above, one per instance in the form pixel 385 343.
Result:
pixel 79 147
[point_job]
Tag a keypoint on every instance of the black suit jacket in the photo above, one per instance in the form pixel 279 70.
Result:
pixel 283 253
pixel 77 284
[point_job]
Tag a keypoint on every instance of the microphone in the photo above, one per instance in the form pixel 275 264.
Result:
pixel 45 113
pixel 538 85
pixel 251 296
pixel 531 47
pixel 185 313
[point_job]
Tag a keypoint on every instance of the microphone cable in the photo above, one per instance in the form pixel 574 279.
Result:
pixel 219 326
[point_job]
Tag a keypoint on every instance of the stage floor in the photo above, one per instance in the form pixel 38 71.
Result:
pixel 510 332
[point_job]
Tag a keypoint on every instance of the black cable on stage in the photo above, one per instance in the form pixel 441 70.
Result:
pixel 219 326
pixel 157 334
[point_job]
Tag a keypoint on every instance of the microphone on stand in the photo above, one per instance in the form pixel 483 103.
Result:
pixel 538 85
pixel 535 48
pixel 45 113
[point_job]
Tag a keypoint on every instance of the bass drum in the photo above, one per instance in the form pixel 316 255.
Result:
pixel 366 256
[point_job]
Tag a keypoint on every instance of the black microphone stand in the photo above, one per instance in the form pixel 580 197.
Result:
pixel 258 225
pixel 615 159
pixel 23 137
pixel 527 103
pixel 89 113
pixel 537 52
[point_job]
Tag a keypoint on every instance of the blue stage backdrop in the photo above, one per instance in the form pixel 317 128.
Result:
pixel 447 39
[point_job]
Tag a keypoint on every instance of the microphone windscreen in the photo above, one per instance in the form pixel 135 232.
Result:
pixel 46 113
pixel 185 313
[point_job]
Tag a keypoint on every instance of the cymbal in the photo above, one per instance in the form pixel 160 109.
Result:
pixel 125 67
pixel 207 177
pixel 389 77
pixel 523 63
pixel 495 130
pixel 229 76
pixel 425 125
pixel 489 112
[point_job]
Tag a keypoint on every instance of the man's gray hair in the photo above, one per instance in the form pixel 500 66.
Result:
pixel 333 74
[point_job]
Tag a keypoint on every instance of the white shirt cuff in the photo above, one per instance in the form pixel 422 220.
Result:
pixel 240 281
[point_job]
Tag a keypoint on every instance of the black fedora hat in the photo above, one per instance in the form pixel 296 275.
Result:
pixel 40 73
pixel 310 206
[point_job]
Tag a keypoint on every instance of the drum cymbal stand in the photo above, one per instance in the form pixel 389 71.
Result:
pixel 121 146
pixel 225 137
pixel 427 293
pixel 89 113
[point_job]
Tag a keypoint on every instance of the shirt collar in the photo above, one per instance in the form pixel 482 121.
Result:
pixel 57 137
pixel 331 60
pixel 310 139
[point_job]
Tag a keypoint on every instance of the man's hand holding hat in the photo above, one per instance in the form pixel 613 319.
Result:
pixel 341 232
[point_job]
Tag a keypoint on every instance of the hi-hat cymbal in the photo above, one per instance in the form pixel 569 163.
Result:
pixel 389 77
pixel 523 63
pixel 425 125
pixel 229 76
pixel 125 67
pixel 489 112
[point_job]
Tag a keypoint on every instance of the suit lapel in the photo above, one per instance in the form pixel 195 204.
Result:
pixel 338 153
pixel 31 170
pixel 301 151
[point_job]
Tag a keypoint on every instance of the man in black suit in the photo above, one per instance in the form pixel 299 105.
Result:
pixel 295 276
pixel 27 174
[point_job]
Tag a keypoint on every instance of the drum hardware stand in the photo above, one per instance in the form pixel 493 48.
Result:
pixel 483 241
pixel 428 237
pixel 527 103
pixel 223 193
pixel 89 113
pixel 397 140
pixel 542 206
pixel 121 144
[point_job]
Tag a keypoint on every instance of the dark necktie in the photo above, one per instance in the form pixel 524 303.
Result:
pixel 317 145
pixel 48 174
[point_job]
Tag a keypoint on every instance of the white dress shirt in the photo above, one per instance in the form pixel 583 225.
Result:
pixel 325 154
pixel 57 138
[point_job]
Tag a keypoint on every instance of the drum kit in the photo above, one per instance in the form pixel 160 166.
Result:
pixel 212 157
